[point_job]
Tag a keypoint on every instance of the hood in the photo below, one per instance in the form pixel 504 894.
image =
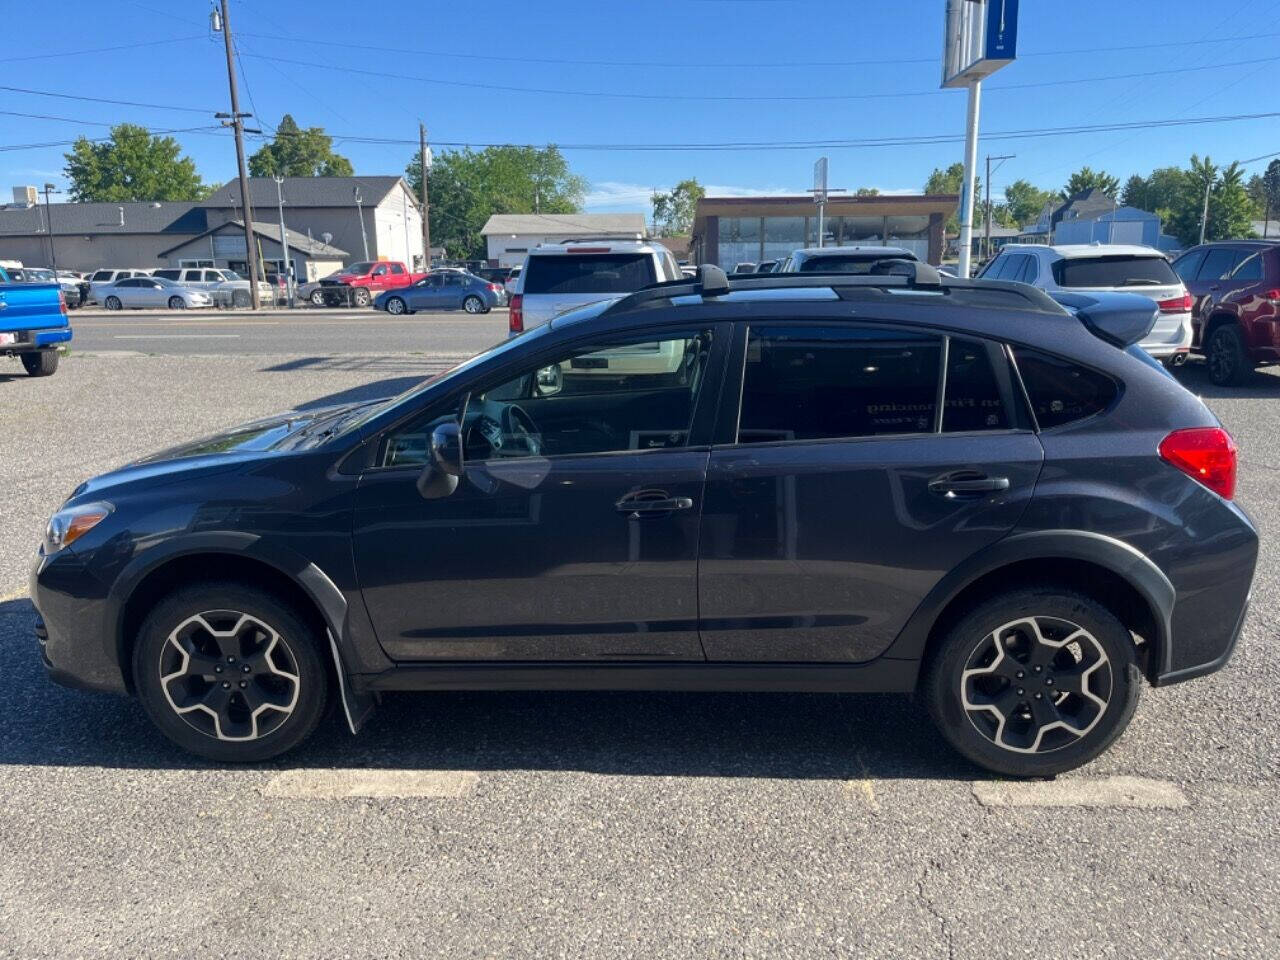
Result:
pixel 223 451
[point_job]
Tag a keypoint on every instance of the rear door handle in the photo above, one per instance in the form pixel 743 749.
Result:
pixel 959 485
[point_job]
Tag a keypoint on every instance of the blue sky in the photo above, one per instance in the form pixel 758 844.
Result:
pixel 664 56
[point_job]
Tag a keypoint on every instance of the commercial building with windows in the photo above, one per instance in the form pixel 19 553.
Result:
pixel 732 230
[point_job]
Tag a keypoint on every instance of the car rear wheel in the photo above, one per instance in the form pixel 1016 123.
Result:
pixel 362 297
pixel 1228 359
pixel 317 298
pixel 396 306
pixel 44 363
pixel 112 303
pixel 474 304
pixel 1034 682
pixel 177 303
pixel 229 672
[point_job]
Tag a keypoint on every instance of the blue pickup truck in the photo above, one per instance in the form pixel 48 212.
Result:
pixel 33 324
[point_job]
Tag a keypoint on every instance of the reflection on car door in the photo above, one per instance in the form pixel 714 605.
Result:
pixel 427 295
pixel 582 545
pixel 847 497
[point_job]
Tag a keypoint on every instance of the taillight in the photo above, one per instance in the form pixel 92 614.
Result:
pixel 62 302
pixel 515 315
pixel 1273 296
pixel 1205 454
pixel 494 287
pixel 1176 305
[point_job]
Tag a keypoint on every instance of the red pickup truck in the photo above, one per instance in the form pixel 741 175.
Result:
pixel 359 283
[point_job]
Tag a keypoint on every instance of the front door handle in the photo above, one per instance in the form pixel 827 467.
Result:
pixel 953 486
pixel 651 503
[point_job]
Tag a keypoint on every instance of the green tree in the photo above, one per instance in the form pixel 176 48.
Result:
pixel 1087 178
pixel 673 211
pixel 1257 189
pixel 1024 201
pixel 132 166
pixel 1231 209
pixel 951 180
pixel 867 192
pixel 295 152
pixel 1271 184
pixel 1134 193
pixel 468 186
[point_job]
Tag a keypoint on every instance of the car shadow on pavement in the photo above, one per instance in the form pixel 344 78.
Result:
pixel 1194 375
pixel 378 390
pixel 790 736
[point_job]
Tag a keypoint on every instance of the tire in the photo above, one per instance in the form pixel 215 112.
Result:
pixel 240 298
pixel 43 363
pixel 177 303
pixel 397 306
pixel 317 298
pixel 1227 357
pixel 361 297
pixel 112 303
pixel 1024 740
pixel 280 685
pixel 473 304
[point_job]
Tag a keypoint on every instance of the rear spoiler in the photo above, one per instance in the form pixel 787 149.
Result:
pixel 1122 319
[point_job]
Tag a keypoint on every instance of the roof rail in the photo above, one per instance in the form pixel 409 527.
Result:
pixel 627 237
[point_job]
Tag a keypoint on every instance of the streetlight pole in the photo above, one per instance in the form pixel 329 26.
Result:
pixel 970 162
pixel 424 168
pixel 364 238
pixel 1204 216
pixel 986 243
pixel 48 221
pixel 237 124
pixel 284 240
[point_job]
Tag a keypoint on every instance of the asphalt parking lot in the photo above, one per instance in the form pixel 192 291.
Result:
pixel 597 825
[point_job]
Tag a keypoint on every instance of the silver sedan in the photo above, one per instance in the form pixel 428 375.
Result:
pixel 134 293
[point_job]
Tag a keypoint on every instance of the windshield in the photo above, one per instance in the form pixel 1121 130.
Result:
pixel 231 275
pixel 363 266
pixel 1114 271
pixel 859 263
pixel 40 276
pixel 164 282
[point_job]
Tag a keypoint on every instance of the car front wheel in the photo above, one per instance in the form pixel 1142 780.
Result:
pixel 229 672
pixel 1034 682
pixel 396 306
pixel 317 298
pixel 1228 359
pixel 177 303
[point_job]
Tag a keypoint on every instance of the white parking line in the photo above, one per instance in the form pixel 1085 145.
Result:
pixel 341 784
pixel 1136 792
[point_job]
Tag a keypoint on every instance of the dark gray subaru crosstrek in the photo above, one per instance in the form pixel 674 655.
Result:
pixel 819 483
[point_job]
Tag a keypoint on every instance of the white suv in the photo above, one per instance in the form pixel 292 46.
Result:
pixel 101 279
pixel 560 276
pixel 1082 268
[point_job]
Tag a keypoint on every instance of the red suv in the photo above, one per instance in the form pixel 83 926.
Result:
pixel 1235 313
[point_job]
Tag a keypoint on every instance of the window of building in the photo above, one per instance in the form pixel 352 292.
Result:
pixel 1060 391
pixel 196 263
pixel 814 383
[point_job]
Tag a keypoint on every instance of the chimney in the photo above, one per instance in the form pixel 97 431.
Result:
pixel 25 196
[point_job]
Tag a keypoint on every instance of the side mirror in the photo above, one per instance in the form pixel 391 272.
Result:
pixel 549 381
pixel 439 477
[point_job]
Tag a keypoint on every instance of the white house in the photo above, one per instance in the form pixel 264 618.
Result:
pixel 511 235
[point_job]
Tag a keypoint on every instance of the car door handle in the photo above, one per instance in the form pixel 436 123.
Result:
pixel 966 484
pixel 638 506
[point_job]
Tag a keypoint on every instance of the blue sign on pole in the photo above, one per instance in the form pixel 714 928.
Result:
pixel 1002 30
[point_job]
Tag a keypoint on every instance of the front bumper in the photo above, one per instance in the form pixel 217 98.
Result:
pixel 75 645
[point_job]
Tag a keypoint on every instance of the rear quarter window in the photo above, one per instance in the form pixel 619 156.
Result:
pixel 1114 271
pixel 589 273
pixel 1060 391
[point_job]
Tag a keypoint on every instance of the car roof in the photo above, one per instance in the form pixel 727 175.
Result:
pixel 1075 251
pixel 590 245
pixel 855 250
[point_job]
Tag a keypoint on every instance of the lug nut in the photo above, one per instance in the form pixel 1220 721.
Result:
pixel 1037 669
pixel 1048 682
pixel 1021 691
pixel 231 659
pixel 1021 674
pixel 226 684
pixel 243 684
pixel 218 668
pixel 1039 696
pixel 246 668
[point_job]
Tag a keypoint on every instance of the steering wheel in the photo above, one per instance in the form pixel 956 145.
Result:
pixel 520 433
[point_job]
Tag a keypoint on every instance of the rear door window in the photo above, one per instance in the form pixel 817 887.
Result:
pixel 1060 391
pixel 1114 271
pixel 825 382
pixel 1250 268
pixel 589 273
pixel 979 391
pixel 1186 266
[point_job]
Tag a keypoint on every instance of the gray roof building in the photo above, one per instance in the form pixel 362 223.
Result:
pixel 306 191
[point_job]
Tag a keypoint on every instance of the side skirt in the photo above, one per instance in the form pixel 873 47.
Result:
pixel 877 676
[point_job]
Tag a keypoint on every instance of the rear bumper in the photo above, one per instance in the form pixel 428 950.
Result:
pixel 1211 666
pixel 27 341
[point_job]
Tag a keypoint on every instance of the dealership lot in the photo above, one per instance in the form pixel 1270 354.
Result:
pixel 591 824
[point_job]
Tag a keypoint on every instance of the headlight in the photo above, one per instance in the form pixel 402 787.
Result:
pixel 71 523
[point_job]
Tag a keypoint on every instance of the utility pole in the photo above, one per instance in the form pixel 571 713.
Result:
pixel 1204 216
pixel 284 240
pixel 423 168
pixel 970 161
pixel 237 124
pixel 364 237
pixel 48 220
pixel 986 243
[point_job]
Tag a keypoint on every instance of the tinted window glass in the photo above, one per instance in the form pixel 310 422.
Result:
pixel 128 282
pixel 975 400
pixel 1116 271
pixel 1218 263
pixel 593 273
pixel 102 275
pixel 173 274
pixel 1029 271
pixel 845 264
pixel 993 267
pixel 1061 391
pixel 397 269
pixel 811 383
pixel 1186 266
pixel 1249 269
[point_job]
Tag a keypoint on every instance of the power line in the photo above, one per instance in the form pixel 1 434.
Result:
pixel 755 64
pixel 118 103
pixel 779 98
pixel 13 147
pixel 80 53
